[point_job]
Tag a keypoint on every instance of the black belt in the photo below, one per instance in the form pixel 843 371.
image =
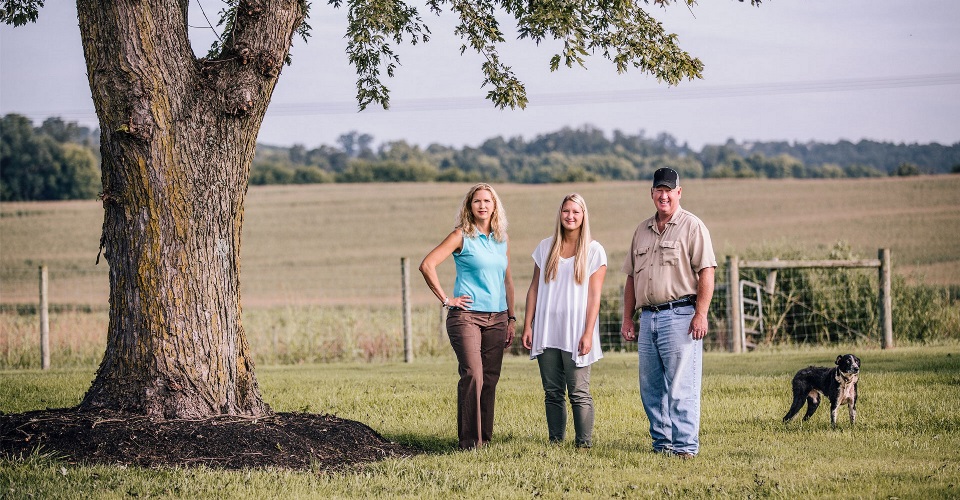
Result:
pixel 689 300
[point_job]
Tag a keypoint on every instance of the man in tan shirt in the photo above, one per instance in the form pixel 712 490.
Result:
pixel 670 271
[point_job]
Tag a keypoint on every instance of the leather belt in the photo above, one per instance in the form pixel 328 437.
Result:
pixel 689 300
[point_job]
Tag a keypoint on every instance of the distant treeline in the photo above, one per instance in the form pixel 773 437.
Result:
pixel 60 160
pixel 55 161
pixel 587 154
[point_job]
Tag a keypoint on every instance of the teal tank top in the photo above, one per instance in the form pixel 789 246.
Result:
pixel 481 268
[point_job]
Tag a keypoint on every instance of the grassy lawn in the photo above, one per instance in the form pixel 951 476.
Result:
pixel 906 443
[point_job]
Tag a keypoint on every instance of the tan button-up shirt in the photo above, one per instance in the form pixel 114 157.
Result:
pixel 664 265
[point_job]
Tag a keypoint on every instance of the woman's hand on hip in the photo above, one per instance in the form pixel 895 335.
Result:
pixel 461 302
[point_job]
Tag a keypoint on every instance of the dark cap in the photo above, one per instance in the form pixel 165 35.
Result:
pixel 666 177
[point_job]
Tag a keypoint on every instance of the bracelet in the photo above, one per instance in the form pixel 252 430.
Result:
pixel 511 318
pixel 445 302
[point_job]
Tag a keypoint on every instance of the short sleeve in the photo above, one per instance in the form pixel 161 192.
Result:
pixel 701 248
pixel 596 257
pixel 627 267
pixel 540 253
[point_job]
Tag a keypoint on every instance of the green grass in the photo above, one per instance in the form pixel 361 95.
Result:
pixel 906 443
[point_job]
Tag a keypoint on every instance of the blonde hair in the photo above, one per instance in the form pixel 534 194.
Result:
pixel 583 243
pixel 498 219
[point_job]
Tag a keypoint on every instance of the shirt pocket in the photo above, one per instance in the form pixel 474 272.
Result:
pixel 670 253
pixel 641 256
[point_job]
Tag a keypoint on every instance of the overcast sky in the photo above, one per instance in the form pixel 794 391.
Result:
pixel 822 70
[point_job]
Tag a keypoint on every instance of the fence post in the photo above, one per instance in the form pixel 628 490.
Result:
pixel 886 300
pixel 44 321
pixel 771 285
pixel 407 323
pixel 733 304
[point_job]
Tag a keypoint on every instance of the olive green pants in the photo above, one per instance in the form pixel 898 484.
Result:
pixel 561 376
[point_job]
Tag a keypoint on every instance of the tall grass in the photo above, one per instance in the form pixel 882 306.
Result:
pixel 278 335
pixel 841 305
pixel 321 276
pixel 906 443
pixel 805 311
pixel 77 338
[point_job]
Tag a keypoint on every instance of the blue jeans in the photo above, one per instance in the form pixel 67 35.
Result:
pixel 671 368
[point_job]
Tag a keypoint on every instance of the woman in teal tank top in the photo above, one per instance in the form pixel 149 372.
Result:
pixel 480 320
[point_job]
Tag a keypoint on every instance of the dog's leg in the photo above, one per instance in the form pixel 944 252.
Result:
pixel 813 401
pixel 834 409
pixel 852 406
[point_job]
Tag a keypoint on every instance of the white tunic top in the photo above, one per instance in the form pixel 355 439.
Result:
pixel 562 305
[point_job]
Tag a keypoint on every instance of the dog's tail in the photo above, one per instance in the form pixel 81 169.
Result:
pixel 798 399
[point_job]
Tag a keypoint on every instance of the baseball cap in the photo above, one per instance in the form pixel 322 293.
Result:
pixel 666 177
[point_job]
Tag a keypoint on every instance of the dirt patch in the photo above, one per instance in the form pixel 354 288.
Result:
pixel 288 440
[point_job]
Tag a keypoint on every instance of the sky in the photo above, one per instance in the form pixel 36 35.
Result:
pixel 795 71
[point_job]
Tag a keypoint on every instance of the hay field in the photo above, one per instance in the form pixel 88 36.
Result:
pixel 342 243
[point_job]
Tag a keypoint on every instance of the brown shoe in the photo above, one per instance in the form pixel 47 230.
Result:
pixel 684 456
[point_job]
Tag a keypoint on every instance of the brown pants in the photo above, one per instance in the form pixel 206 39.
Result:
pixel 479 339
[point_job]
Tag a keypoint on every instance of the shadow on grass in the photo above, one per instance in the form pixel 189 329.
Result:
pixel 434 445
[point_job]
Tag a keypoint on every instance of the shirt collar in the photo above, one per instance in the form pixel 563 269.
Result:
pixel 652 221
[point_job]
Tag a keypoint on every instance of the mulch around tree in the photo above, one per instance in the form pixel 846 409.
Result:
pixel 285 440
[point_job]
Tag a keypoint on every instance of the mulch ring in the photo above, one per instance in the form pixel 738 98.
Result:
pixel 286 440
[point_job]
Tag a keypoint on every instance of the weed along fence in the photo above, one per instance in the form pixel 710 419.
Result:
pixel 756 303
pixel 770 301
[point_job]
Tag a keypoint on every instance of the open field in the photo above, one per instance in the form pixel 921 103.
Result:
pixel 321 273
pixel 342 244
pixel 906 443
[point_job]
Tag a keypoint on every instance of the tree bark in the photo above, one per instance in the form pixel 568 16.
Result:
pixel 178 136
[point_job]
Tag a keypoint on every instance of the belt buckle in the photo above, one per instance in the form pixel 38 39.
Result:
pixel 670 305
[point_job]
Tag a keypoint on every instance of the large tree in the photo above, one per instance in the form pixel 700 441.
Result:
pixel 177 139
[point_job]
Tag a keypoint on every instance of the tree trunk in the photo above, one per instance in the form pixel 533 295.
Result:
pixel 178 136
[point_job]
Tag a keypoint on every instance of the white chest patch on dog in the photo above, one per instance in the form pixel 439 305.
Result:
pixel 847 389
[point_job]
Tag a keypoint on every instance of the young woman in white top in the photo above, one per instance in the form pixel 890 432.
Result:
pixel 561 327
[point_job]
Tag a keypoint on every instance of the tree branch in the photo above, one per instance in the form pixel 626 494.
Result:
pixel 20 12
pixel 255 43
pixel 619 30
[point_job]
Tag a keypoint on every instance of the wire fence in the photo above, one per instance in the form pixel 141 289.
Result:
pixel 318 317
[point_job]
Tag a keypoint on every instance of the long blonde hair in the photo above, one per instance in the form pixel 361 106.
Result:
pixel 498 219
pixel 583 243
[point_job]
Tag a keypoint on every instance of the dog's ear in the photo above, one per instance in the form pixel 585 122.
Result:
pixel 837 362
pixel 857 359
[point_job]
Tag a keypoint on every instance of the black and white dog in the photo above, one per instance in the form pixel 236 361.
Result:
pixel 839 384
